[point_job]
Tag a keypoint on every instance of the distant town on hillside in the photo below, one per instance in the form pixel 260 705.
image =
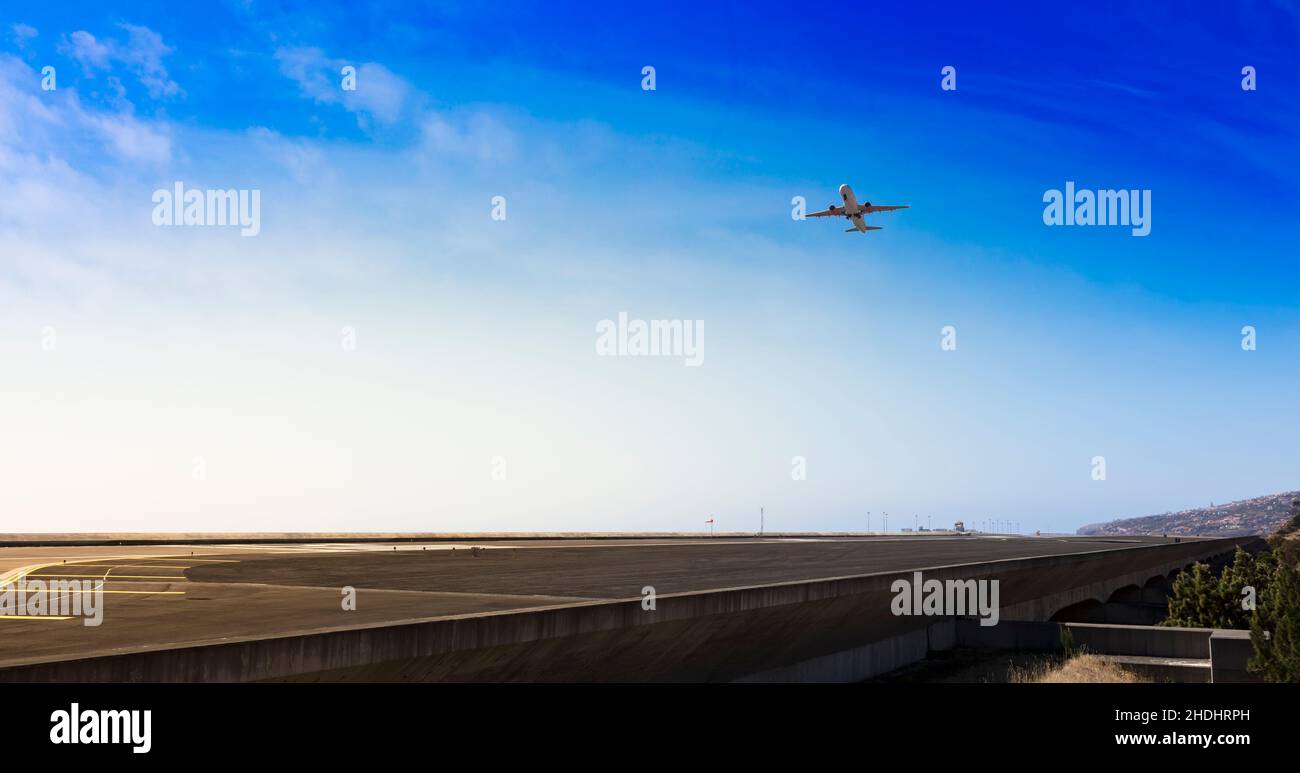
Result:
pixel 1261 515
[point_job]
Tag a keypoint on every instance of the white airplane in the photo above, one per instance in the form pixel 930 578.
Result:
pixel 854 211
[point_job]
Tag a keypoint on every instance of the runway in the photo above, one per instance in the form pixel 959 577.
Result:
pixel 171 595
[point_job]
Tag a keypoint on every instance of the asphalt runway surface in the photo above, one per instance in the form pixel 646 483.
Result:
pixel 161 596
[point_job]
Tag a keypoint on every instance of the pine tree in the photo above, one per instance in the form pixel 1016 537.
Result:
pixel 1275 628
pixel 1201 600
pixel 1196 601
pixel 1243 572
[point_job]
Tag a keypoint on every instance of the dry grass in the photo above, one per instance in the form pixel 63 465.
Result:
pixel 1085 669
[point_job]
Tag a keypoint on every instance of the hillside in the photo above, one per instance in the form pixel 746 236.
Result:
pixel 1261 515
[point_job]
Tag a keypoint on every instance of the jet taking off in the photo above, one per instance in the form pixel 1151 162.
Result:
pixel 854 211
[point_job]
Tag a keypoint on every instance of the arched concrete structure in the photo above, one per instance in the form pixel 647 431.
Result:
pixel 1086 611
pixel 1155 591
pixel 1129 594
pixel 1131 604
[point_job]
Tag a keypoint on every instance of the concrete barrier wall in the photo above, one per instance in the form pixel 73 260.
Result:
pixel 1144 641
pixel 1138 640
pixel 1230 651
pixel 838 629
pixel 1194 654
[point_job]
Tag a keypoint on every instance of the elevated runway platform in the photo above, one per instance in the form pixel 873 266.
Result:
pixel 533 607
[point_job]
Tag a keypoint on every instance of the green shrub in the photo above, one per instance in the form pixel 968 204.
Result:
pixel 1067 642
pixel 1199 599
pixel 1275 628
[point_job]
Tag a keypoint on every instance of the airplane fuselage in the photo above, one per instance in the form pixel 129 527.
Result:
pixel 851 206
pixel 853 210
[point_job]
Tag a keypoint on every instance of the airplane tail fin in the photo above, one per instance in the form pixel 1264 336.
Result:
pixel 863 228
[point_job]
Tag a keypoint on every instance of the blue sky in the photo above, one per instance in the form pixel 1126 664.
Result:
pixel 475 337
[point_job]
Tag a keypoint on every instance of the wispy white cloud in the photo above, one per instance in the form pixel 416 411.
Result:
pixel 87 51
pixel 384 98
pixel 305 161
pixel 379 93
pixel 142 54
pixel 56 125
pixel 478 135
pixel 131 138
pixel 22 34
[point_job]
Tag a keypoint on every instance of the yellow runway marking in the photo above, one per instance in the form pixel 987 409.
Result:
pixel 12 576
pixel 124 592
pixel 192 558
pixel 121 566
pixel 33 617
pixel 115 577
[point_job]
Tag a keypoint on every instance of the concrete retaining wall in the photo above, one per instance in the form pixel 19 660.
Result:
pixel 1163 653
pixel 1139 640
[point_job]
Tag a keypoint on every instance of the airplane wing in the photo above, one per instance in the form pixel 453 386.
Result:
pixel 826 213
pixel 874 208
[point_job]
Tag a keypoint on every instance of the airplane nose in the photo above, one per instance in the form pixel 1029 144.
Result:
pixel 844 189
